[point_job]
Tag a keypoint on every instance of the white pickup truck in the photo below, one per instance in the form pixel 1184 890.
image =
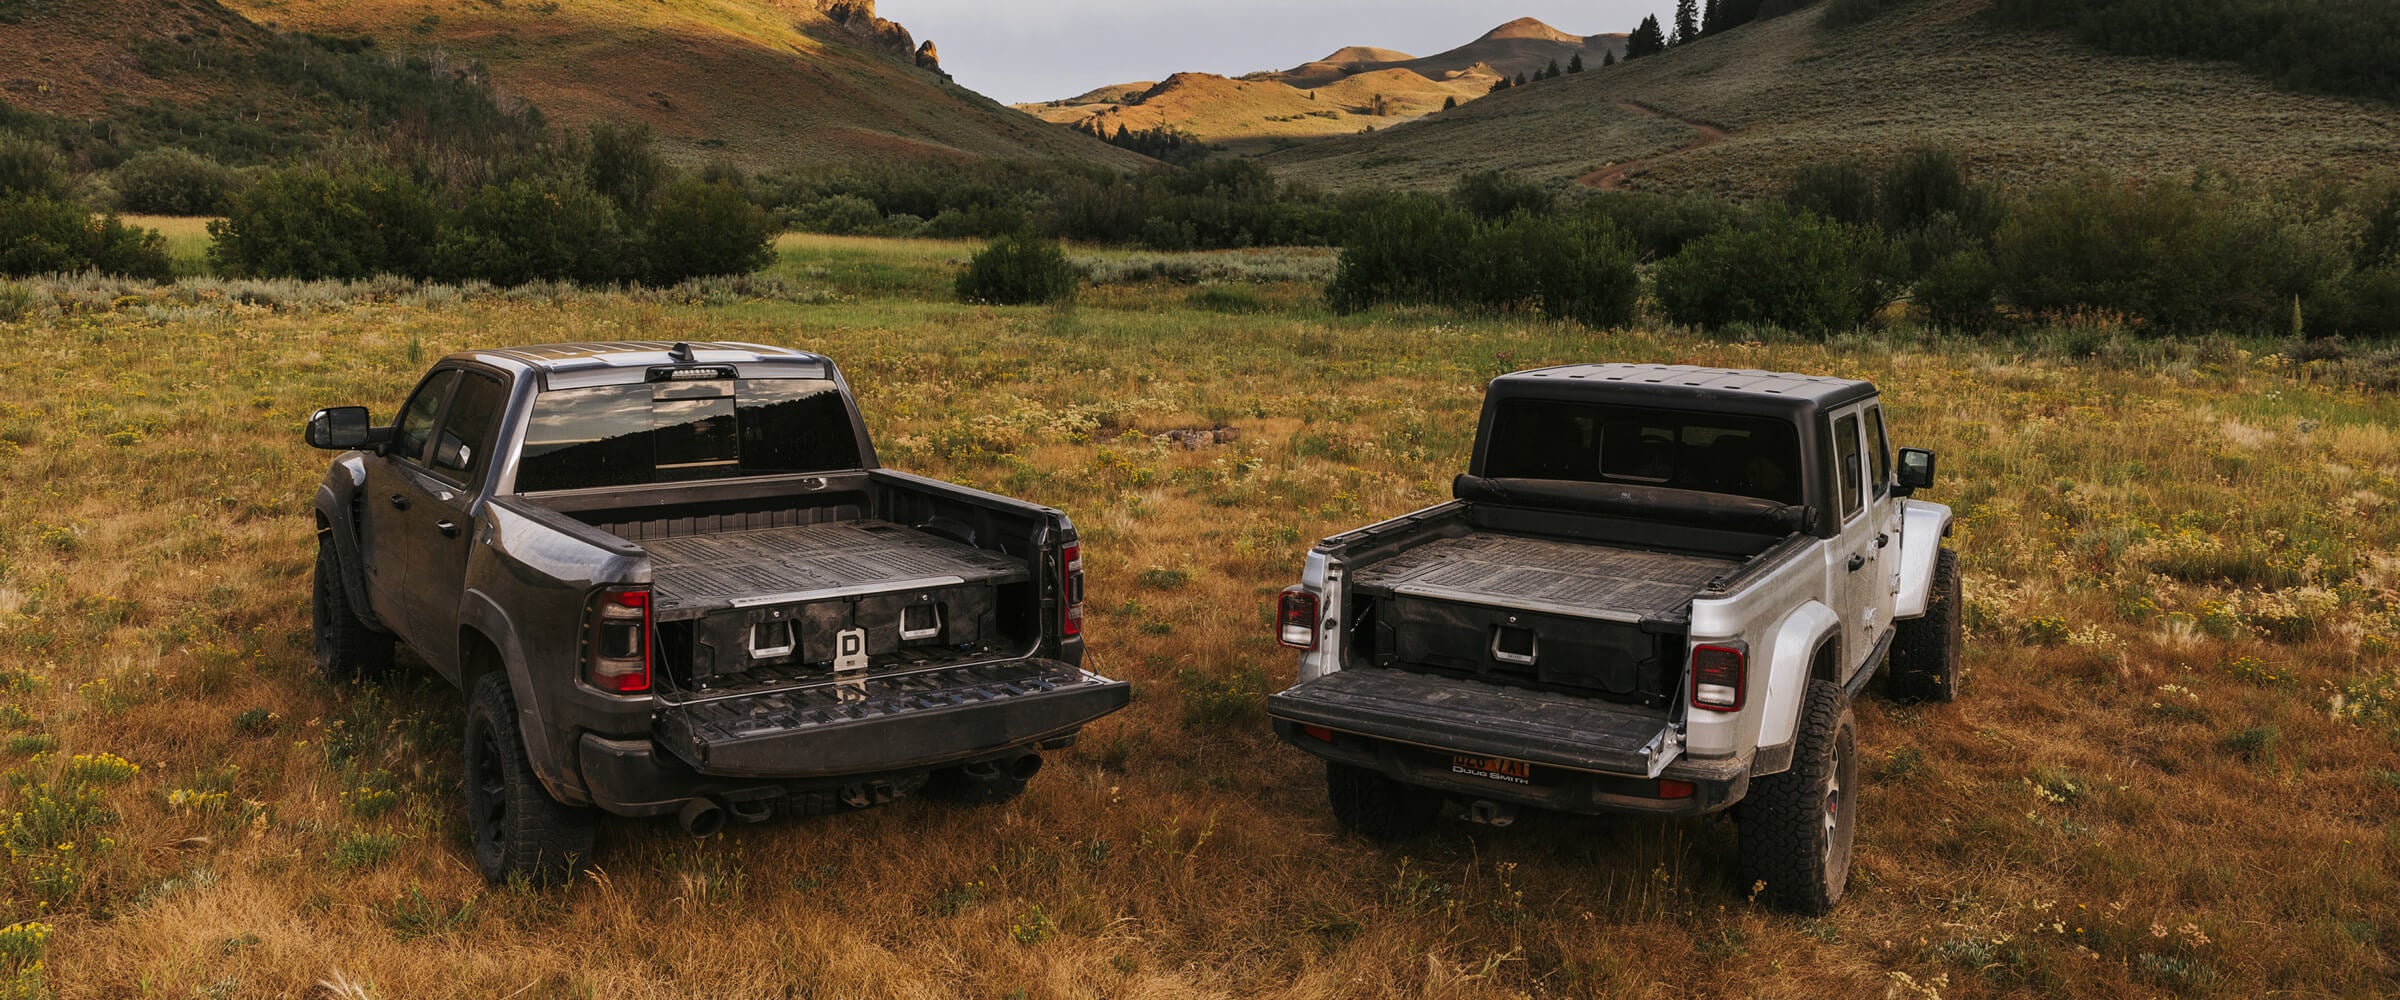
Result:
pixel 1657 591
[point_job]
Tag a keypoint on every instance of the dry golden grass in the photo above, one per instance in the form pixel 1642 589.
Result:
pixel 2022 106
pixel 2150 787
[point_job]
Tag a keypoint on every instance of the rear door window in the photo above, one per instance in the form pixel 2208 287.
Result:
pixel 1850 463
pixel 1879 446
pixel 632 435
pixel 415 426
pixel 462 449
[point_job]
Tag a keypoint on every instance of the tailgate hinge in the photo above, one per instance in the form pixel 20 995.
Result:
pixel 1662 750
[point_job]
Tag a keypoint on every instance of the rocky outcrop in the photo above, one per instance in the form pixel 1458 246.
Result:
pixel 929 57
pixel 858 17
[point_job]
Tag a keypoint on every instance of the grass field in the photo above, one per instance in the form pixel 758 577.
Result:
pixel 2023 107
pixel 2173 772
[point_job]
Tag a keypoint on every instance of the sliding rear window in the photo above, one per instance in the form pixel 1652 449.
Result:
pixel 669 432
pixel 1676 449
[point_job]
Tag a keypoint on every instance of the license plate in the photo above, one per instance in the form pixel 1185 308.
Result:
pixel 1515 772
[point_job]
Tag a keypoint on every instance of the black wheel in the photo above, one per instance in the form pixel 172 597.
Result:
pixel 347 650
pixel 1797 827
pixel 1925 650
pixel 1377 807
pixel 518 828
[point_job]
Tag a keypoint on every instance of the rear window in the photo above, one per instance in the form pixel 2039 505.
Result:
pixel 632 435
pixel 1591 443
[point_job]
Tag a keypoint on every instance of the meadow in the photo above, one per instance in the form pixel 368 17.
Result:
pixel 2173 770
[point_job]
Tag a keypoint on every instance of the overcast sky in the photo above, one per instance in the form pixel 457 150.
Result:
pixel 1038 50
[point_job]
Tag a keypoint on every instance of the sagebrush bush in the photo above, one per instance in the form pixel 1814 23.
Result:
pixel 1020 269
pixel 29 167
pixel 1420 250
pixel 42 235
pixel 169 181
pixel 1794 270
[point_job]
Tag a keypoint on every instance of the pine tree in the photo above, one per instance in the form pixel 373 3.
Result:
pixel 1608 57
pixel 1648 39
pixel 1575 65
pixel 1553 72
pixel 1450 103
pixel 1712 18
pixel 1502 84
pixel 1520 78
pixel 1687 21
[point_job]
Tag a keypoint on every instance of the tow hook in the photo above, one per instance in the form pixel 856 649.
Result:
pixel 1490 813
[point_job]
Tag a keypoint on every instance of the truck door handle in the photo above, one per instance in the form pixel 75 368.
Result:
pixel 1882 540
pixel 1857 560
pixel 399 502
pixel 449 529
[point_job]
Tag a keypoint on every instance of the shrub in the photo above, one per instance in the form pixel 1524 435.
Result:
pixel 839 215
pixel 1404 250
pixel 168 181
pixel 1959 292
pixel 1794 270
pixel 1660 225
pixel 1841 190
pixel 1419 251
pixel 2182 257
pixel 30 167
pixel 533 229
pixel 2365 304
pixel 42 235
pixel 1492 195
pixel 314 224
pixel 1928 186
pixel 1019 269
pixel 697 229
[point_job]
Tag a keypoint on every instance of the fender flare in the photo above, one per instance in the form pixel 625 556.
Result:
pixel 343 481
pixel 1921 535
pixel 480 616
pixel 1797 640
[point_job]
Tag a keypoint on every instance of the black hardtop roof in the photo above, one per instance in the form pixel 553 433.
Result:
pixel 1689 383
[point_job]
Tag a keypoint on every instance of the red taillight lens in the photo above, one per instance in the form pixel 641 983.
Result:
pixel 1672 789
pixel 1318 733
pixel 1070 565
pixel 1296 619
pixel 617 647
pixel 1717 677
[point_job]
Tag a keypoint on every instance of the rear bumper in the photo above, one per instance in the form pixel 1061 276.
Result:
pixel 1587 756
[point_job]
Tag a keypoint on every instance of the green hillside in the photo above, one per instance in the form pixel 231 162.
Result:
pixel 2019 103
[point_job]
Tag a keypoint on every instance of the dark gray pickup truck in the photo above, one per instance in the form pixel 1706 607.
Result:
pixel 672 580
pixel 1657 591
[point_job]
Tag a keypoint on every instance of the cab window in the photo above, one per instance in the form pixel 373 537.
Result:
pixel 463 450
pixel 417 418
pixel 1850 463
pixel 1879 446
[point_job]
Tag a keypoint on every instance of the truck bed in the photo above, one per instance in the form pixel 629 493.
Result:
pixel 1574 579
pixel 694 575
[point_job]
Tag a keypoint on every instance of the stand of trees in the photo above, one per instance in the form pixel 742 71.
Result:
pixel 2330 46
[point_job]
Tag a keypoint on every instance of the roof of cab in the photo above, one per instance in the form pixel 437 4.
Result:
pixel 1693 383
pixel 606 362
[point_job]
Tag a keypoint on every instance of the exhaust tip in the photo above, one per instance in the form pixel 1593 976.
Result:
pixel 1490 813
pixel 701 817
pixel 1025 767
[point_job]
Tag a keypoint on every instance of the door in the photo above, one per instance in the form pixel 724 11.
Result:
pixel 386 540
pixel 448 498
pixel 1860 573
pixel 1885 506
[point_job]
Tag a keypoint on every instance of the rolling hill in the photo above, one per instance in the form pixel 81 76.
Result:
pixel 761 82
pixel 1354 90
pixel 1735 113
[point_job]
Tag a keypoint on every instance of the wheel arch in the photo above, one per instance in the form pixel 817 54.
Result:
pixel 1804 648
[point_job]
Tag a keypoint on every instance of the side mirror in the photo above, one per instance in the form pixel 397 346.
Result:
pixel 340 428
pixel 1916 470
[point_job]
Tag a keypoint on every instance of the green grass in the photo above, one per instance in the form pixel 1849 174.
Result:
pixel 2059 832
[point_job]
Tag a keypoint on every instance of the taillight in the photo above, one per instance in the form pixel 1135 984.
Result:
pixel 617 648
pixel 1296 619
pixel 1672 789
pixel 1070 565
pixel 1717 677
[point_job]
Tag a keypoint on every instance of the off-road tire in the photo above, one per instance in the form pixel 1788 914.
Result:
pixel 1797 827
pixel 1925 650
pixel 346 649
pixel 518 829
pixel 1377 807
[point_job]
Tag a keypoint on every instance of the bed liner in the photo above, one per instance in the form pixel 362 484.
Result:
pixel 1576 579
pixel 695 575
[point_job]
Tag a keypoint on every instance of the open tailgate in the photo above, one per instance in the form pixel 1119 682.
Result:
pixel 891 722
pixel 1471 717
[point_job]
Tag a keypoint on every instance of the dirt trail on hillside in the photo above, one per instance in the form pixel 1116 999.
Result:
pixel 1612 178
